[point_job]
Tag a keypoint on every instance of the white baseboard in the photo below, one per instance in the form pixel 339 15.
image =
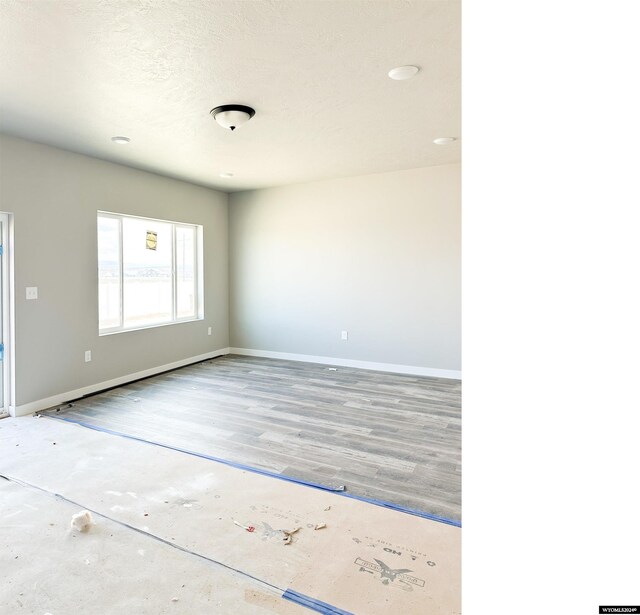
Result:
pixel 62 398
pixel 380 367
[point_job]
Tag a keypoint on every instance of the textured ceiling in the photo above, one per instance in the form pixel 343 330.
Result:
pixel 74 73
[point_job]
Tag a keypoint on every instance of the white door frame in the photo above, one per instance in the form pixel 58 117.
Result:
pixel 8 336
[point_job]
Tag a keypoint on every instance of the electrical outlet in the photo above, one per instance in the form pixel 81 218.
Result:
pixel 345 335
pixel 87 356
pixel 32 292
pixel 209 331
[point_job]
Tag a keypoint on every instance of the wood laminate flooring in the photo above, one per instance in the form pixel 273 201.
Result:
pixel 386 436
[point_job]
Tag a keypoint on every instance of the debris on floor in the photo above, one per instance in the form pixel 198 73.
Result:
pixel 320 526
pixel 249 528
pixel 288 534
pixel 82 521
pixel 328 508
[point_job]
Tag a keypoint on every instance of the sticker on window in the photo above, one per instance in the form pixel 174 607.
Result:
pixel 152 240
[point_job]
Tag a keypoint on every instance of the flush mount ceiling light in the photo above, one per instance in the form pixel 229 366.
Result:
pixel 444 140
pixel 226 174
pixel 121 140
pixel 232 116
pixel 401 73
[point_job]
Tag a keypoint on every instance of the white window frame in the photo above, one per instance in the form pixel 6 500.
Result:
pixel 199 274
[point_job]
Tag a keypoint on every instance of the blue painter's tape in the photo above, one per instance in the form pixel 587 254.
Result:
pixel 337 490
pixel 1 352
pixel 404 509
pixel 313 604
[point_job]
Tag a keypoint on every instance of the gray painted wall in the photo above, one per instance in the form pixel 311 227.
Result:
pixel 55 195
pixel 377 255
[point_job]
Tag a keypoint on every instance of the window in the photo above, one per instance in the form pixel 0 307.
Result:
pixel 149 272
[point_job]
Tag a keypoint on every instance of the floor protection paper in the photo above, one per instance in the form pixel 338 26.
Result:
pixel 363 559
pixel 49 568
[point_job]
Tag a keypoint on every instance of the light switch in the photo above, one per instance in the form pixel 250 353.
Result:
pixel 345 335
pixel 32 292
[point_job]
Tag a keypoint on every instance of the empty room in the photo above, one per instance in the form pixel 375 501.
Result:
pixel 230 296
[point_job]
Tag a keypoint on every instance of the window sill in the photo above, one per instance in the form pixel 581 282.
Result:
pixel 155 326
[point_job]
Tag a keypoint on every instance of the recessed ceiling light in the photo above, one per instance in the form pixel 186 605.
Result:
pixel 444 140
pixel 401 73
pixel 226 174
pixel 121 140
